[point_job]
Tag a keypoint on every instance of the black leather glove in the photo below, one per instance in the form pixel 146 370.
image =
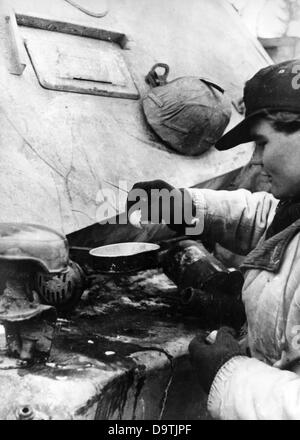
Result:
pixel 208 358
pixel 160 202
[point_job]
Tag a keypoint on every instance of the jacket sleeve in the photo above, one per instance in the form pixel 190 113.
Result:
pixel 248 389
pixel 235 219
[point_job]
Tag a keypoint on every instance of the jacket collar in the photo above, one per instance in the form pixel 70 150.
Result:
pixel 268 254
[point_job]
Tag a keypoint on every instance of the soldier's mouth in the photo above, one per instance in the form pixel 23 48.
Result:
pixel 266 175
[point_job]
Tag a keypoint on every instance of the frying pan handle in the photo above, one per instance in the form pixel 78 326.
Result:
pixel 165 246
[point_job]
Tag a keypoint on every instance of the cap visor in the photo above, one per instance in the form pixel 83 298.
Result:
pixel 240 134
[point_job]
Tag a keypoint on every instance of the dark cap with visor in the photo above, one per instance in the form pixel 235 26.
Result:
pixel 273 88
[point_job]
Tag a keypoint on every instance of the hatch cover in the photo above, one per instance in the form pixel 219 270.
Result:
pixel 78 64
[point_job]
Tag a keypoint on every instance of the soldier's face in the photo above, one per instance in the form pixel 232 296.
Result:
pixel 279 154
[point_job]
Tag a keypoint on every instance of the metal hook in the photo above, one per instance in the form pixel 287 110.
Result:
pixel 154 79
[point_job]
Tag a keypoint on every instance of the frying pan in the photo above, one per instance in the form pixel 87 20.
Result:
pixel 125 257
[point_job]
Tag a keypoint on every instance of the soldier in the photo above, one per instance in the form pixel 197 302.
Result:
pixel 265 384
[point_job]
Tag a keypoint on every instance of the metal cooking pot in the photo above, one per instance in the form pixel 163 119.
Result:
pixel 125 257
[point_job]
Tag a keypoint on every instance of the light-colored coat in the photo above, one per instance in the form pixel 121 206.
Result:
pixel 260 387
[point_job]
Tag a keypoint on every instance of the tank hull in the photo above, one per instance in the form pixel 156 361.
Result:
pixel 63 146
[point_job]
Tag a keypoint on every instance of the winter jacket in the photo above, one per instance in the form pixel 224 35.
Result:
pixel 265 386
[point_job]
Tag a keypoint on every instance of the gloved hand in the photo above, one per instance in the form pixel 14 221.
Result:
pixel 160 202
pixel 208 358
